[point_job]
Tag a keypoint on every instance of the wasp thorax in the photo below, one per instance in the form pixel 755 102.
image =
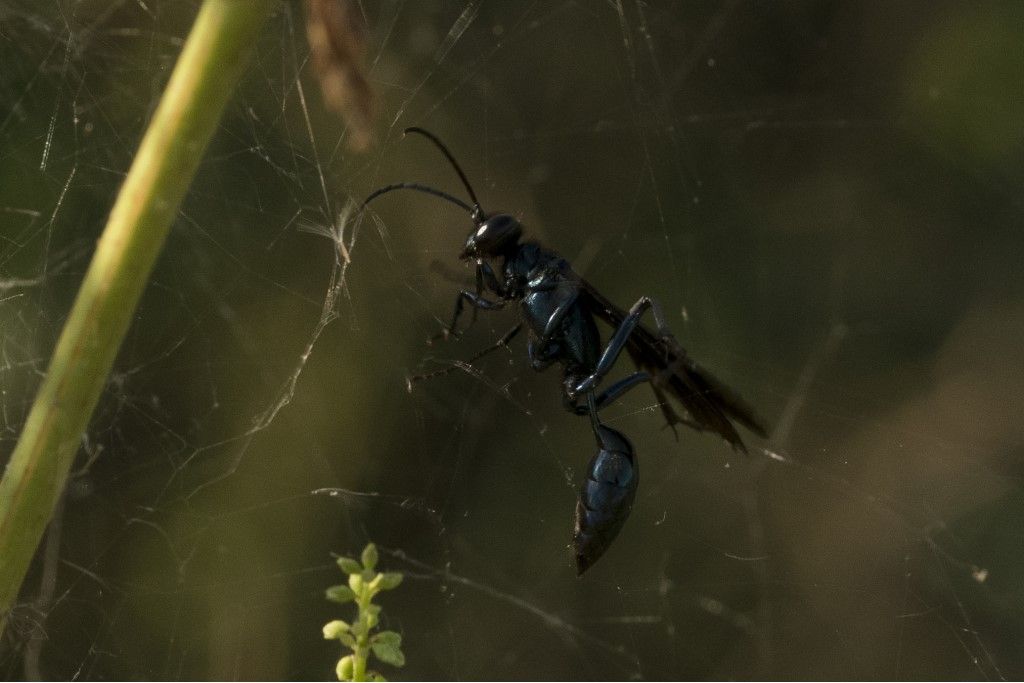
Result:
pixel 494 236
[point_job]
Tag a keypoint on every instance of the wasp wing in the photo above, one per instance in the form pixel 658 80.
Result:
pixel 709 403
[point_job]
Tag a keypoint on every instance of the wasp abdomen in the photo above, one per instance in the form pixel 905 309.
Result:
pixel 606 497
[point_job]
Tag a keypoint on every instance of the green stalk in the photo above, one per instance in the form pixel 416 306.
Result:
pixel 210 65
pixel 361 652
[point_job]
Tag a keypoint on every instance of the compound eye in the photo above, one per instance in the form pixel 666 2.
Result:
pixel 498 232
pixel 502 223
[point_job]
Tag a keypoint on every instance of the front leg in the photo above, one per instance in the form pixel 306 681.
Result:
pixel 477 301
pixel 486 277
pixel 479 292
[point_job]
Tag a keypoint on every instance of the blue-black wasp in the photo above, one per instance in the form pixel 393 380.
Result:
pixel 560 311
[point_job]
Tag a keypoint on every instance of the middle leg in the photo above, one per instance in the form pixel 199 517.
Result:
pixel 501 343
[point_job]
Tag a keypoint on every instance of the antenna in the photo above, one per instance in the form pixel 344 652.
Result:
pixel 478 211
pixel 420 188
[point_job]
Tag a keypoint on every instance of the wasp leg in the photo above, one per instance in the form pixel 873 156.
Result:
pixel 618 342
pixel 485 277
pixel 501 343
pixel 479 292
pixel 477 301
pixel 608 395
pixel 489 279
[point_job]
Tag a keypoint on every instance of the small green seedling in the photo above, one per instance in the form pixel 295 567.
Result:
pixel 363 584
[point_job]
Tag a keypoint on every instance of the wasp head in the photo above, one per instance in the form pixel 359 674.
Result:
pixel 493 236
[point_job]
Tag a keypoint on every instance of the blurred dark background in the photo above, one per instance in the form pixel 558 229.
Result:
pixel 824 196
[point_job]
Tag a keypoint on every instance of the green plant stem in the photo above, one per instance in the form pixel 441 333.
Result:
pixel 361 652
pixel 210 66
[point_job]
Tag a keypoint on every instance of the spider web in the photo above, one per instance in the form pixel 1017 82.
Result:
pixel 825 205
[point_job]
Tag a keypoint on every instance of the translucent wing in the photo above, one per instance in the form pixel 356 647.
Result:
pixel 709 404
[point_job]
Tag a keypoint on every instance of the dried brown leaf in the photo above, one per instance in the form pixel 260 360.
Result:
pixel 337 45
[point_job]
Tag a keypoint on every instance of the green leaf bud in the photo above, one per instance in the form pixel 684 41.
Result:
pixel 370 556
pixel 346 668
pixel 388 653
pixel 340 594
pixel 390 580
pixel 333 629
pixel 349 566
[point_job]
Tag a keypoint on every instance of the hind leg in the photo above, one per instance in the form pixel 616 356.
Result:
pixel 608 395
pixel 618 342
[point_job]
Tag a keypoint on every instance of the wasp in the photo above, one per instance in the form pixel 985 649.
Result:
pixel 560 311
